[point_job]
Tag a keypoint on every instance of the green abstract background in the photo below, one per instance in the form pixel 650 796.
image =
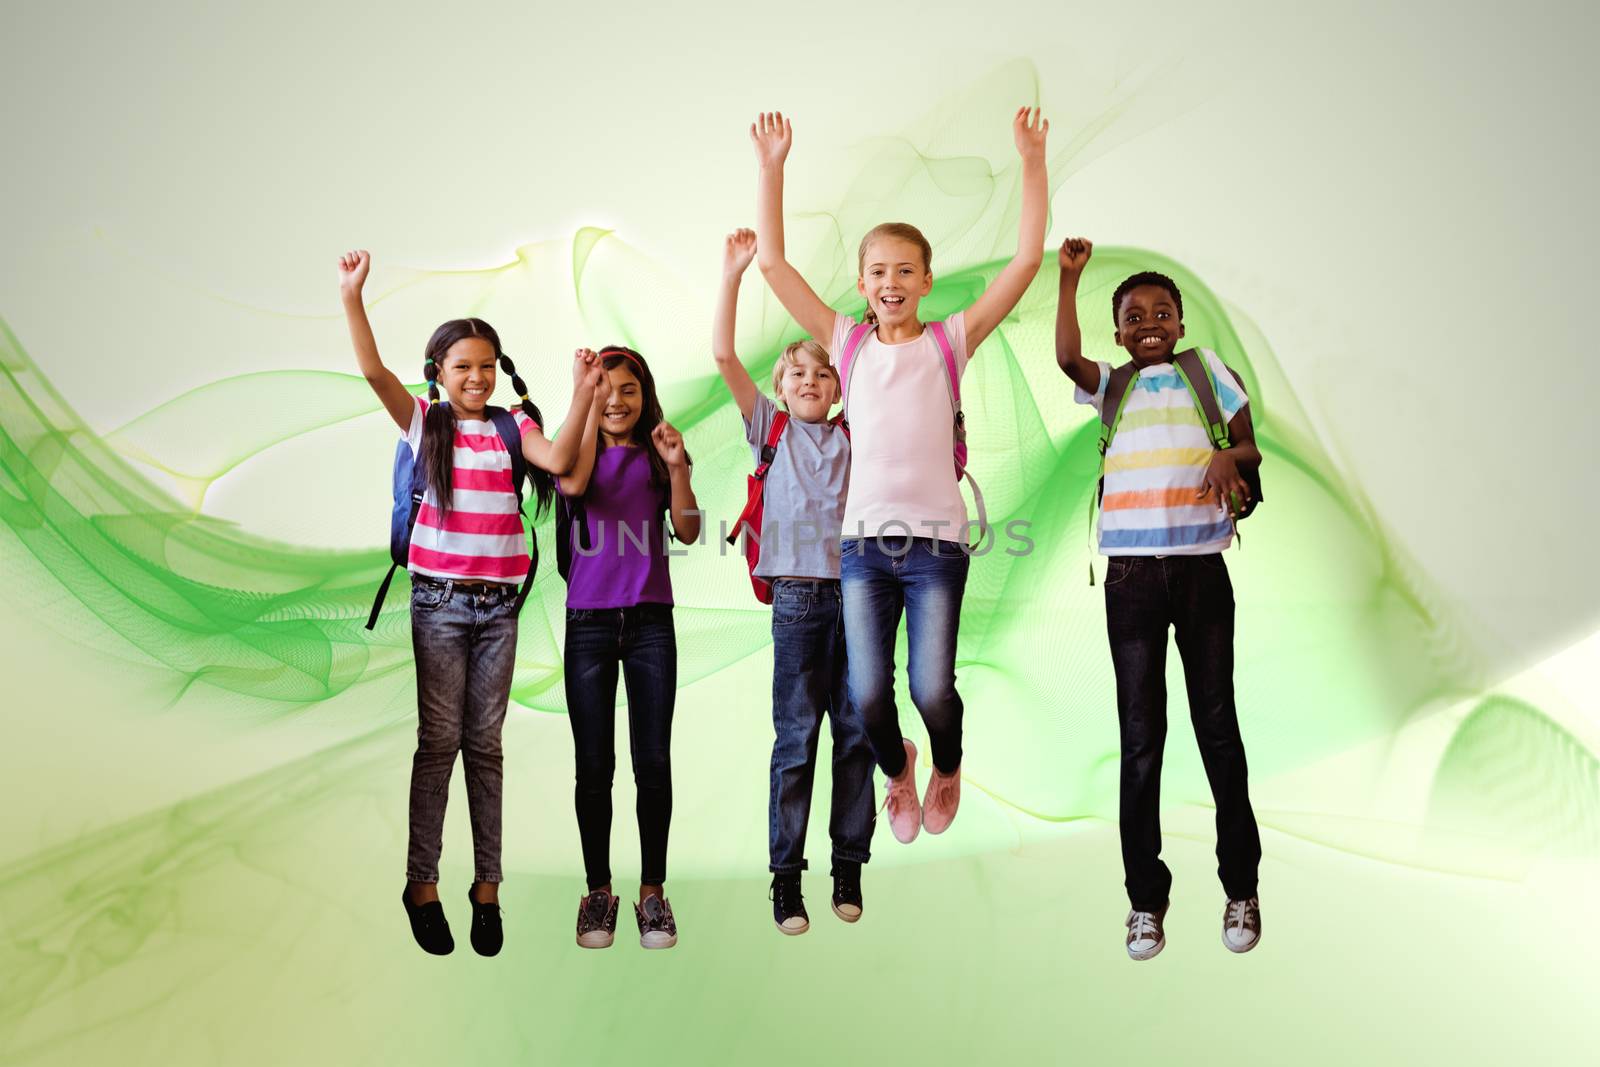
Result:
pixel 207 754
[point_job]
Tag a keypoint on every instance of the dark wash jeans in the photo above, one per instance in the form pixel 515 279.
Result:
pixel 924 578
pixel 641 643
pixel 1191 594
pixel 808 678
pixel 466 647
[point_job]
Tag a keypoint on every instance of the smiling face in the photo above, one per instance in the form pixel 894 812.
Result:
pixel 466 373
pixel 623 407
pixel 807 385
pixel 894 278
pixel 1149 323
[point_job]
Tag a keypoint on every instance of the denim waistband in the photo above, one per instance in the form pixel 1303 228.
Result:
pixel 458 585
pixel 807 585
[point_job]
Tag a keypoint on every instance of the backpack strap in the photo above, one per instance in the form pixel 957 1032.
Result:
pixel 1119 381
pixel 1197 376
pixel 769 451
pixel 847 360
pixel 419 485
pixel 505 424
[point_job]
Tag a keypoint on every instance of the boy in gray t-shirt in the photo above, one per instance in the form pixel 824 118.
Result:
pixel 803 502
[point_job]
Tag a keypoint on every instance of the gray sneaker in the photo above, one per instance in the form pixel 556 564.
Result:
pixel 657 929
pixel 1241 924
pixel 597 919
pixel 1146 939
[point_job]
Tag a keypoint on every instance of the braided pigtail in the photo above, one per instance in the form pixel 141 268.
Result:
pixel 544 485
pixel 439 423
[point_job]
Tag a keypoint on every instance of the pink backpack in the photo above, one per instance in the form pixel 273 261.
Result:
pixel 852 346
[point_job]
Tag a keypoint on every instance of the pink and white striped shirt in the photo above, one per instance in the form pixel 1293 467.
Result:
pixel 481 538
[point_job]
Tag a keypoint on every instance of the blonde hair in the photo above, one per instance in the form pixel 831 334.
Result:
pixel 903 231
pixel 791 356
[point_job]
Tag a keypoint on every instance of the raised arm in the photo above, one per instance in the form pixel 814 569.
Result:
pixel 399 403
pixel 990 309
pixel 1085 373
pixel 772 135
pixel 558 455
pixel 576 481
pixel 737 252
pixel 685 510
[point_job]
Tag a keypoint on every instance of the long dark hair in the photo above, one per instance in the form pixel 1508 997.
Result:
pixel 439 425
pixel 650 415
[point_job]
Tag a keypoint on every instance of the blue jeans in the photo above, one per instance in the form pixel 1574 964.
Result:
pixel 808 678
pixel 465 644
pixel 925 578
pixel 1191 595
pixel 641 643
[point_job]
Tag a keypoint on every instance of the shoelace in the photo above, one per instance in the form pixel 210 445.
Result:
pixel 1238 913
pixel 1142 925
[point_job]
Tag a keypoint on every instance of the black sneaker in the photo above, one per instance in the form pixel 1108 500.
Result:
pixel 847 891
pixel 597 919
pixel 487 933
pixel 657 929
pixel 428 925
pixel 788 906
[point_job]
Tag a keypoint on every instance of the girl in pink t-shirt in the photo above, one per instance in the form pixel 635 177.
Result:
pixel 468 552
pixel 905 528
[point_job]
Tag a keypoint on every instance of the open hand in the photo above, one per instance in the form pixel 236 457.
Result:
pixel 353 267
pixel 1223 484
pixel 1075 253
pixel 738 251
pixel 669 443
pixel 772 135
pixel 1028 129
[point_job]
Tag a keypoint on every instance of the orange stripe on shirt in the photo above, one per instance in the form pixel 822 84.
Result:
pixel 1152 498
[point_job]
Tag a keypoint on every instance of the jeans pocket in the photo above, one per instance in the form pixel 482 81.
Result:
pixel 1118 568
pixel 1213 561
pixel 429 597
pixel 790 610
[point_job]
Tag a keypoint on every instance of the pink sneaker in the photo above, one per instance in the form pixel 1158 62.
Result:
pixel 900 797
pixel 944 797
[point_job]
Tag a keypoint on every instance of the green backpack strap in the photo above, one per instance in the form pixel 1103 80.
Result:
pixel 1118 383
pixel 1197 377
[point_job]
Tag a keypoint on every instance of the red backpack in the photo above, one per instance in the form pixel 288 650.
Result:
pixel 749 522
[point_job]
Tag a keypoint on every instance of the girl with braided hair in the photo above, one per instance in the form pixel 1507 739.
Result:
pixel 468 552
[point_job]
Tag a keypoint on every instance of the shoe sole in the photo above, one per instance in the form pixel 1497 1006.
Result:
pixel 1149 953
pixel 662 940
pixel 846 916
pixel 794 931
pixel 915 830
pixel 1239 951
pixel 596 940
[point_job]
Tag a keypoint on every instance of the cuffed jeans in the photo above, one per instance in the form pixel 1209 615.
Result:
pixel 925 578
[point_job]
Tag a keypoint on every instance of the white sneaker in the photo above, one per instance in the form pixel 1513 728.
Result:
pixel 1145 935
pixel 1241 925
pixel 900 798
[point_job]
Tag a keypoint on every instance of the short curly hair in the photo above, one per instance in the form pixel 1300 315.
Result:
pixel 1145 277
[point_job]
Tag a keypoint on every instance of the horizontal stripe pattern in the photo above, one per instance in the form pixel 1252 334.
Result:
pixel 1156 464
pixel 481 537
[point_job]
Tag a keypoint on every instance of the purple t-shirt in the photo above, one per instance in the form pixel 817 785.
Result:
pixel 626 563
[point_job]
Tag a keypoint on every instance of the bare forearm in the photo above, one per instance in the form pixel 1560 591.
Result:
pixel 1069 337
pixel 1035 208
pixel 685 509
pixel 722 325
pixel 564 446
pixel 769 218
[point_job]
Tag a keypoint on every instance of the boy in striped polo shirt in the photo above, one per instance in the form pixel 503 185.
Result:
pixel 1165 519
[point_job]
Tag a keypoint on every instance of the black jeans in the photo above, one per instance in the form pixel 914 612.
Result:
pixel 1191 594
pixel 641 642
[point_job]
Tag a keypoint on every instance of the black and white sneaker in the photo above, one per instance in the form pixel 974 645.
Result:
pixel 1241 924
pixel 657 928
pixel 847 891
pixel 788 906
pixel 597 919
